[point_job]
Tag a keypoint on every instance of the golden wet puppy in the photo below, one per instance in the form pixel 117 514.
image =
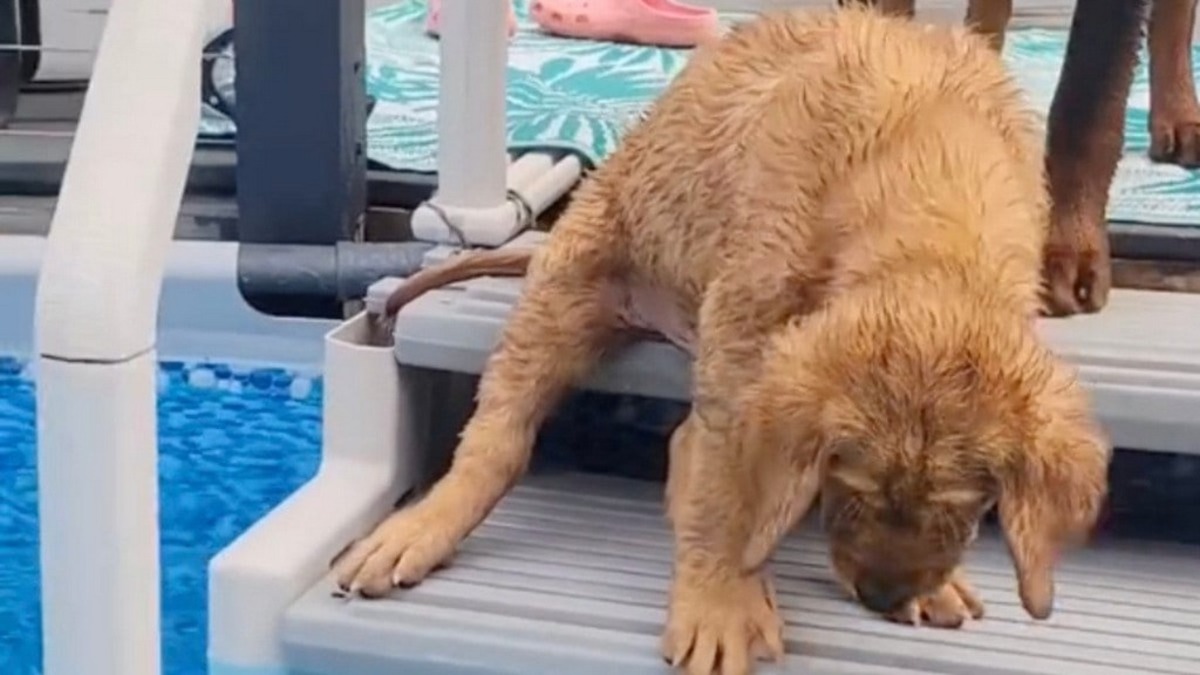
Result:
pixel 841 216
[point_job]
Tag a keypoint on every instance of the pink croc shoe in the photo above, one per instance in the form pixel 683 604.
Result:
pixel 433 17
pixel 662 23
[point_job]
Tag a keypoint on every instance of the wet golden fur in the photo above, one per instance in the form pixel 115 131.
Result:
pixel 849 210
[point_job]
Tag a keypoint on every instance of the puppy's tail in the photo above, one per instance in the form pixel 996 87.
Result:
pixel 500 262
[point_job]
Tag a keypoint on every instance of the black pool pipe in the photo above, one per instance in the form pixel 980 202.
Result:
pixel 10 61
pixel 314 280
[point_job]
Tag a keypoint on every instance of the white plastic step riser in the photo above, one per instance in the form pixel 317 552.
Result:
pixel 1140 358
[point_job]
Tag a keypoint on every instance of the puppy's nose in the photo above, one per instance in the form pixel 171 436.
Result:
pixel 879 597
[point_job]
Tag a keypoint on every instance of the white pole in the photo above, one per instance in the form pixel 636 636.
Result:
pixel 471 204
pixel 472 140
pixel 96 317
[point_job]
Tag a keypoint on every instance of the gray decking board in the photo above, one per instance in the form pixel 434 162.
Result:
pixel 570 575
pixel 1140 357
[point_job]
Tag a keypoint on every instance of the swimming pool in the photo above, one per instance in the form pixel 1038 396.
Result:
pixel 233 442
pixel 239 414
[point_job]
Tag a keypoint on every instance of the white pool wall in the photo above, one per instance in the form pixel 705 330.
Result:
pixel 202 315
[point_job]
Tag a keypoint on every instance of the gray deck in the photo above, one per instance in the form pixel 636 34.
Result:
pixel 569 576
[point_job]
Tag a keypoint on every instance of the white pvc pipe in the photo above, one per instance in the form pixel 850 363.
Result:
pixel 475 169
pixel 525 171
pixel 553 183
pixel 95 320
pixel 472 140
pixel 535 177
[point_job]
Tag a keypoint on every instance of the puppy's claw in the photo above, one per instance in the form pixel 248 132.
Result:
pixel 712 628
pixel 401 551
pixel 769 646
pixel 948 607
pixel 676 647
pixel 412 569
pixel 763 652
pixel 968 595
pixel 910 614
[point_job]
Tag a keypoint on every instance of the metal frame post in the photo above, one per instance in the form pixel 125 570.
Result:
pixel 301 118
pixel 10 61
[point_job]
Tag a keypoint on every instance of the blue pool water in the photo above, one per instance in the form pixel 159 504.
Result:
pixel 232 442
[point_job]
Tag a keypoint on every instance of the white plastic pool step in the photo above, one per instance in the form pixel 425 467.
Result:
pixel 1140 357
pixel 569 575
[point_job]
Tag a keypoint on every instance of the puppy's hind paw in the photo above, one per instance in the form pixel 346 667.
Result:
pixel 401 551
pixel 720 629
pixel 950 606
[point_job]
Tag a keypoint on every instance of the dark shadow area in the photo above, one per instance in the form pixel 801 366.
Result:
pixel 1154 496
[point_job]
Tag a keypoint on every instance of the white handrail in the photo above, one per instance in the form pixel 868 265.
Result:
pixel 97 305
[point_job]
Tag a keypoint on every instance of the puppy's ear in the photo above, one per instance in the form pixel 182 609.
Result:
pixel 785 458
pixel 781 418
pixel 786 492
pixel 1051 493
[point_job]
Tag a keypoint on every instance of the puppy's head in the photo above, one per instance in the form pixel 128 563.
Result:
pixel 897 529
pixel 927 417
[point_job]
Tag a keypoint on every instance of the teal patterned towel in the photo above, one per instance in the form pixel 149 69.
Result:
pixel 580 95
pixel 573 94
pixel 577 95
pixel 1143 192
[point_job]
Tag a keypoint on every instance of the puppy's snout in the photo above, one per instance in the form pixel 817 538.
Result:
pixel 882 597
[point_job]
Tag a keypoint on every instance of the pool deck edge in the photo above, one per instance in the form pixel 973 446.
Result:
pixel 202 314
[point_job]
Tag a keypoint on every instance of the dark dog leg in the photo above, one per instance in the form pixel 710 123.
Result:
pixel 990 19
pixel 1174 111
pixel 1085 139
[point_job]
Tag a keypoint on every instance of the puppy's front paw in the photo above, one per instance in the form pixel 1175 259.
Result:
pixel 401 551
pixel 948 607
pixel 717 628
